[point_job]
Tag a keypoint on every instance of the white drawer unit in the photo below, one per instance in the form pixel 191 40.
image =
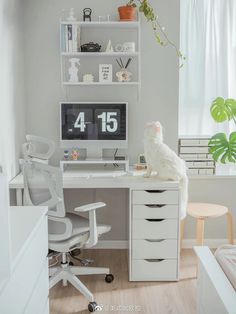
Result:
pixel 28 283
pixel 154 235
pixel 155 211
pixel 40 292
pixel 46 308
pixel 163 248
pixel 155 228
pixel 155 197
pixel 154 269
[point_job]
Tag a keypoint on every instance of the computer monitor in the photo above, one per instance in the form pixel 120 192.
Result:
pixel 94 126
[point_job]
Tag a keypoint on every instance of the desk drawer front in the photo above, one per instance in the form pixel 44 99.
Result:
pixel 149 248
pixel 154 269
pixel 155 197
pixel 155 229
pixel 155 211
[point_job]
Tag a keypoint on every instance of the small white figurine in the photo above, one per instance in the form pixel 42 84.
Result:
pixel 73 70
pixel 71 16
pixel 109 47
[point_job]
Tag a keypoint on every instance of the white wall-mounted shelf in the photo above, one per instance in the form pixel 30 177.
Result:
pixel 101 54
pixel 100 83
pixel 126 32
pixel 131 24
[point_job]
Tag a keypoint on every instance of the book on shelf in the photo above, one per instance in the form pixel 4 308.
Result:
pixel 71 38
pixel 195 152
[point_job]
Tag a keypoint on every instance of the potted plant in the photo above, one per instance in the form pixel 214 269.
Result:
pixel 223 148
pixel 128 12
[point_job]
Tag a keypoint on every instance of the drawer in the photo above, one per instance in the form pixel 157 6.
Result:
pixel 26 272
pixel 154 269
pixel 155 229
pixel 148 248
pixel 156 197
pixel 155 211
pixel 39 297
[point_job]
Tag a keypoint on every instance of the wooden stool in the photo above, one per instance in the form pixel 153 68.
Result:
pixel 202 211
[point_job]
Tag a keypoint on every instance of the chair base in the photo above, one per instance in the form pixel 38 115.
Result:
pixel 67 273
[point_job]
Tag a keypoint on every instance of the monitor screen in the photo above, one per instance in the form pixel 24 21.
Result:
pixel 93 121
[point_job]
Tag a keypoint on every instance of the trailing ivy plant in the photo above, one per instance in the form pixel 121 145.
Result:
pixel 159 31
pixel 223 149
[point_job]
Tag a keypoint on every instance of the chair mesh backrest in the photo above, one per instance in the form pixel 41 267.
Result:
pixel 43 186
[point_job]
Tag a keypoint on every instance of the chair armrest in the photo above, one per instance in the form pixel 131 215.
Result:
pixel 89 207
pixel 93 232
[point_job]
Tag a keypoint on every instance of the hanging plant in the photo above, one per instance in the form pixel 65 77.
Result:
pixel 159 31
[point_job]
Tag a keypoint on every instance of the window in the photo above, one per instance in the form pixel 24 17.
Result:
pixel 208 40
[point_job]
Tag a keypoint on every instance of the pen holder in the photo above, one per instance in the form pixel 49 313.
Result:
pixel 123 75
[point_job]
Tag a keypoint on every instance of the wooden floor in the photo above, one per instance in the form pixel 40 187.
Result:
pixel 148 297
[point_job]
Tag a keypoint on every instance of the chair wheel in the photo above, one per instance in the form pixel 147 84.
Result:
pixel 71 263
pixel 109 278
pixel 92 307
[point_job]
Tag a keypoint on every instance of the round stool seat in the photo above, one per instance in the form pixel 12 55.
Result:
pixel 201 212
pixel 206 210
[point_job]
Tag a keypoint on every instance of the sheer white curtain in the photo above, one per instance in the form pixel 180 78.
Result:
pixel 208 40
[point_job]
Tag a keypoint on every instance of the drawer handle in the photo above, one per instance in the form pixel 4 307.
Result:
pixel 153 220
pixel 154 240
pixel 155 191
pixel 155 205
pixel 154 260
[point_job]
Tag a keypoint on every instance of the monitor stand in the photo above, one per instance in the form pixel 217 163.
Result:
pixel 94 153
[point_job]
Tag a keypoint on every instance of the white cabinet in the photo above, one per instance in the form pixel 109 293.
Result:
pixel 27 289
pixel 5 262
pixel 154 235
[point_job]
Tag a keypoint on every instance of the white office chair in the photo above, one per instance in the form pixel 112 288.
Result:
pixel 67 232
pixel 38 148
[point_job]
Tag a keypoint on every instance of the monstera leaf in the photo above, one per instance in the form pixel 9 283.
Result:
pixel 222 110
pixel 222 149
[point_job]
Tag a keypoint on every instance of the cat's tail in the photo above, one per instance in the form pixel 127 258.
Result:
pixel 184 196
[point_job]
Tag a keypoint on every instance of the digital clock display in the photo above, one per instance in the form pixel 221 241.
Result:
pixel 88 121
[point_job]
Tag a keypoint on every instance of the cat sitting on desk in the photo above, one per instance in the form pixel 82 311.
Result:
pixel 163 160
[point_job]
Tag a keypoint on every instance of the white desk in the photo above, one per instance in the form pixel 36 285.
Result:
pixel 26 290
pixel 153 221
pixel 126 182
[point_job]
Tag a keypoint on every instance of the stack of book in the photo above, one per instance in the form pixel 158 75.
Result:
pixel 71 40
pixel 195 152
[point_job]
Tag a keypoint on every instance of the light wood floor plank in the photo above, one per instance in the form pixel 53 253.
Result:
pixel 149 297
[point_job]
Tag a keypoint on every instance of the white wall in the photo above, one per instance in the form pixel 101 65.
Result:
pixel 158 98
pixel 12 110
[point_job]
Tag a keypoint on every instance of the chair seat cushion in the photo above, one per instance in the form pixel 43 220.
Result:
pixel 81 225
pixel 80 234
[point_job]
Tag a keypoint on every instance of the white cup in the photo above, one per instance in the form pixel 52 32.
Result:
pixel 129 46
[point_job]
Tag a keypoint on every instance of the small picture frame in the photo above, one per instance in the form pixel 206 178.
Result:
pixel 141 159
pixel 105 73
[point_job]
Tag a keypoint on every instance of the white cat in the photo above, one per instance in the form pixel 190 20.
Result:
pixel 163 160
